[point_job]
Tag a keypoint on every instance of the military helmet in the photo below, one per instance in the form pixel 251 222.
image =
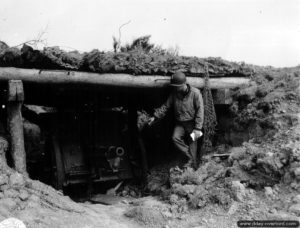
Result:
pixel 178 79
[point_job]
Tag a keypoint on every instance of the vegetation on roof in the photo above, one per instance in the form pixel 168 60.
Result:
pixel 138 58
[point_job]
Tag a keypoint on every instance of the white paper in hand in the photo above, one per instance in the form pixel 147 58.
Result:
pixel 194 136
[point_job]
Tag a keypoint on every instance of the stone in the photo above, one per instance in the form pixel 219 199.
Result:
pixel 11 193
pixel 23 195
pixel 167 214
pixel 297 173
pixel 296 199
pixel 132 193
pixel 16 180
pixel 295 209
pixel 273 211
pixel 294 185
pixel 287 178
pixel 233 208
pixel 13 223
pixel 8 203
pixel 217 159
pixel 269 192
pixel 34 198
pixel 33 201
pixel 3 187
pixel 4 212
pixel 173 199
pixel 251 191
pixel 3 180
pixel 125 202
pixel 239 190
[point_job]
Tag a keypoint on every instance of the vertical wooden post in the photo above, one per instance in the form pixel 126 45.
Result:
pixel 15 124
pixel 3 149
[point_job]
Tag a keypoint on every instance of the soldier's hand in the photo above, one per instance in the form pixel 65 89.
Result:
pixel 151 121
pixel 196 134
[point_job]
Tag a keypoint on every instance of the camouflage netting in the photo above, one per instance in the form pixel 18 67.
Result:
pixel 136 61
pixel 210 119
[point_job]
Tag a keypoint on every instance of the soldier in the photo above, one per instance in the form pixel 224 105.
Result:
pixel 188 108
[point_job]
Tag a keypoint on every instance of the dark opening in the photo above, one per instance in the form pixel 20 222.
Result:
pixel 85 138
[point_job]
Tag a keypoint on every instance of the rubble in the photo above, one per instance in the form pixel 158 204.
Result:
pixel 146 216
pixel 16 180
pixel 150 212
pixel 268 155
pixel 297 173
pixel 234 207
pixel 295 208
pixel 296 199
pixel 130 190
pixel 238 190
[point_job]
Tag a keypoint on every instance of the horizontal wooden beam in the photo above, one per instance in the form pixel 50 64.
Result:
pixel 121 80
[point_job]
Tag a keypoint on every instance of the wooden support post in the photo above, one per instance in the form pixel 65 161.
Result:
pixel 3 149
pixel 15 124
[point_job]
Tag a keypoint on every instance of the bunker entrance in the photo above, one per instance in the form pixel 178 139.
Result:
pixel 85 140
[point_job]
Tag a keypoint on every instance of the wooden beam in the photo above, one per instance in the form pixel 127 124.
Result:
pixel 15 124
pixel 121 80
pixel 3 149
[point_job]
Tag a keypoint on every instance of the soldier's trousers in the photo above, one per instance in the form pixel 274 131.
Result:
pixel 182 140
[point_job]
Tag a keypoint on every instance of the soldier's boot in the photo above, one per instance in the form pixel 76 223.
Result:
pixel 190 159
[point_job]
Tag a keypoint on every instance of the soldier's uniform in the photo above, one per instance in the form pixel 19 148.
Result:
pixel 188 112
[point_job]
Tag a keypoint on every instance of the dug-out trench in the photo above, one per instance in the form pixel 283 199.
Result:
pixel 85 140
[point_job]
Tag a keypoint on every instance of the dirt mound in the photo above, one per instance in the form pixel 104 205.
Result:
pixel 19 192
pixel 149 211
pixel 201 187
pixel 136 61
pixel 146 216
pixel 268 106
pixel 267 112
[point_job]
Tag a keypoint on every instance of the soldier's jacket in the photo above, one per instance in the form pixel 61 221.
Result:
pixel 186 108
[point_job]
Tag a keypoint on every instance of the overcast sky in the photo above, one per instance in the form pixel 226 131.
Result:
pixel 263 32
